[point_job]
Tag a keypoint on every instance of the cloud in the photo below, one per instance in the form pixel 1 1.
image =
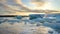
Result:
pixel 14 8
pixel 9 7
pixel 19 2
pixel 38 2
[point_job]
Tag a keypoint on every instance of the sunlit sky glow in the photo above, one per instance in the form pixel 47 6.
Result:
pixel 51 4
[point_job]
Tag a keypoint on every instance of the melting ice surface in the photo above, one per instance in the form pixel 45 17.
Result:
pixel 11 25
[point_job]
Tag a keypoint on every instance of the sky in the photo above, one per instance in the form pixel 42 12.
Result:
pixel 55 4
pixel 49 4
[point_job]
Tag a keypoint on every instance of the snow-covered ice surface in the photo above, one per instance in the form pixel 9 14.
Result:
pixel 24 27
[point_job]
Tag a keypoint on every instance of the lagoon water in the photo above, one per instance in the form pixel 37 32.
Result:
pixel 25 25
